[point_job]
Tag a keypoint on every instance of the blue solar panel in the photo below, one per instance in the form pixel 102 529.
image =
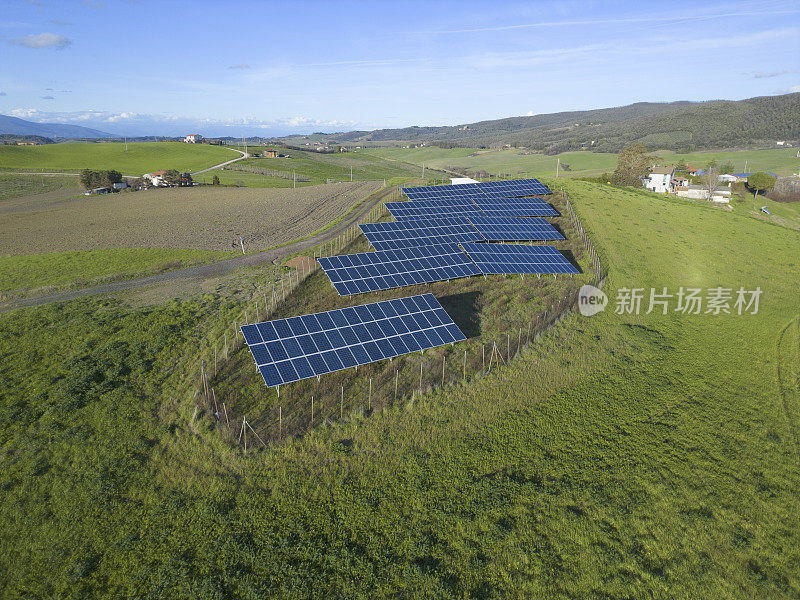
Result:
pixel 339 339
pixel 414 210
pixel 518 258
pixel 510 229
pixel 516 207
pixel 512 188
pixel 386 269
pixel 421 232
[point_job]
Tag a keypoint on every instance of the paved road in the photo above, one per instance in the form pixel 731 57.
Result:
pixel 207 271
pixel 243 155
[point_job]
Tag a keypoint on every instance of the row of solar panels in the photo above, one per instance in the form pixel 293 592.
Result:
pixel 287 350
pixel 424 231
pixel 494 189
pixel 387 269
pixel 510 207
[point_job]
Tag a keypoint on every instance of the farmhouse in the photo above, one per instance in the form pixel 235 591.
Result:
pixel 156 179
pixel 193 138
pixel 659 180
pixel 270 153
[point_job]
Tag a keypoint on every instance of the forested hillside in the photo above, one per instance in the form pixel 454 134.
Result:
pixel 679 126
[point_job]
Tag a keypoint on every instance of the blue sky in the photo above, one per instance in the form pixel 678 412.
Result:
pixel 136 67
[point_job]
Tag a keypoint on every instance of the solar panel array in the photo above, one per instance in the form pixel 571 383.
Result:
pixel 386 269
pixel 516 187
pixel 510 229
pixel 287 350
pixel 421 232
pixel 518 259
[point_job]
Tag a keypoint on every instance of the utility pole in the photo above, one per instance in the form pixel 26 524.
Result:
pixel 294 180
pixel 351 173
pixel 126 144
pixel 558 164
pixel 423 170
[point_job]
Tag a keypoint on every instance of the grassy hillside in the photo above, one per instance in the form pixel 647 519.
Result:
pixel 20 274
pixel 140 158
pixel 622 456
pixel 674 126
pixel 313 168
pixel 515 162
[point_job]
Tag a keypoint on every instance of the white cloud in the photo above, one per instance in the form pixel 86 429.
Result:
pixel 762 75
pixel 530 113
pixel 791 90
pixel 42 40
pixel 240 66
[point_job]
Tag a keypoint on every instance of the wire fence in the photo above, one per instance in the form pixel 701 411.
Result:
pixel 375 388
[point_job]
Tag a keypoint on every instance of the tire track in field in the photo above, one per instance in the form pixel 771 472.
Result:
pixel 788 369
pixel 209 270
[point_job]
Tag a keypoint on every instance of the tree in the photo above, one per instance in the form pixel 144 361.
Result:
pixel 726 168
pixel 633 163
pixel 172 177
pixel 88 178
pixel 710 179
pixel 760 182
pixel 215 180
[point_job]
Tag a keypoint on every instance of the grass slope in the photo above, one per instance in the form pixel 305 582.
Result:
pixel 510 161
pixel 81 268
pixel 16 186
pixel 140 158
pixel 622 456
pixel 319 168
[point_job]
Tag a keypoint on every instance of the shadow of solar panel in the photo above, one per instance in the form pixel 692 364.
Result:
pixel 420 232
pixel 386 269
pixel 510 229
pixel 518 259
pixel 340 339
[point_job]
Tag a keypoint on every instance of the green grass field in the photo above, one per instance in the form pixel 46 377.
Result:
pixel 15 186
pixel 621 456
pixel 140 158
pixel 511 162
pixel 319 168
pixel 82 268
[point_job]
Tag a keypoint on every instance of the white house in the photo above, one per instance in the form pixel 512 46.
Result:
pixel 156 179
pixel 193 138
pixel 659 180
pixel 462 180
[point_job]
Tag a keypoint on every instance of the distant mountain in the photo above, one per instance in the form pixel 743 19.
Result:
pixel 669 126
pixel 16 126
